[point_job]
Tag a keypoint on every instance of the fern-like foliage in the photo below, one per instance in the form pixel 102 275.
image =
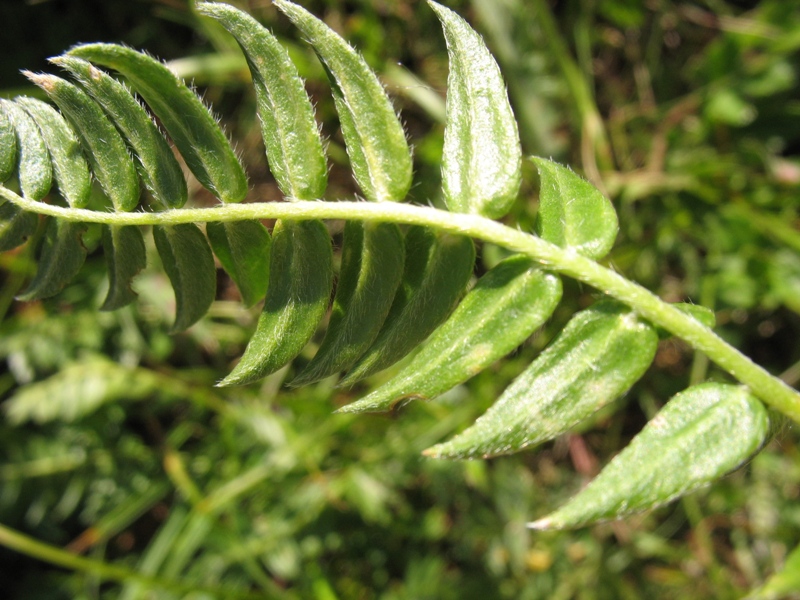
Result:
pixel 398 288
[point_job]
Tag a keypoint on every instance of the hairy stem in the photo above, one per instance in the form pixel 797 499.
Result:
pixel 770 389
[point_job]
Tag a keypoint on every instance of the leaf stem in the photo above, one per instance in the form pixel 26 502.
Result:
pixel 769 389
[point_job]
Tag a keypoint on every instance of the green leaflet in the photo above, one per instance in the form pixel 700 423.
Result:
pixel 783 583
pixel 377 146
pixel 300 282
pixel 700 435
pixel 372 267
pixel 69 166
pixel 189 264
pixel 61 256
pixel 8 147
pixel 243 248
pixel 438 267
pixel 572 212
pixel 33 161
pixel 481 164
pixel 160 170
pixel 16 226
pixel 600 353
pixel 189 123
pixel 291 136
pixel 480 331
pixel 112 165
pixel 125 255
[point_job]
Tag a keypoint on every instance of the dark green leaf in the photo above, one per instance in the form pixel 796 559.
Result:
pixel 125 256
pixel 16 226
pixel 190 125
pixel 112 165
pixel 501 311
pixel 700 435
pixel 8 147
pixel 372 267
pixel 481 164
pixel 600 353
pixel 437 269
pixel 160 170
pixel 291 135
pixel 61 256
pixel 376 142
pixel 189 264
pixel 69 165
pixel 300 282
pixel 572 212
pixel 243 248
pixel 33 161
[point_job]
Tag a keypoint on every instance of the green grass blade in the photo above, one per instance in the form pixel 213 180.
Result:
pixel 69 165
pixel 126 256
pixel 33 160
pixel 481 164
pixel 194 131
pixel 476 335
pixel 375 140
pixel 291 136
pixel 243 248
pixel 159 168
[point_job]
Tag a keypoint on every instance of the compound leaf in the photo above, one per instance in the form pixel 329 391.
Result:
pixel 703 433
pixel 572 212
pixel 61 256
pixel 189 264
pixel 375 140
pixel 481 164
pixel 600 353
pixel 243 249
pixel 126 256
pixel 194 131
pixel 477 334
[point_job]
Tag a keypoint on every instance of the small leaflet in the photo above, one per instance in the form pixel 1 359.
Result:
pixel 476 335
pixel 191 126
pixel 16 226
pixel 291 135
pixel 69 165
pixel 126 256
pixel 438 268
pixel 372 267
pixel 243 249
pixel 375 140
pixel 8 147
pixel 598 356
pixel 300 284
pixel 33 160
pixel 481 163
pixel 701 434
pixel 61 255
pixel 189 264
pixel 111 164
pixel 159 168
pixel 572 212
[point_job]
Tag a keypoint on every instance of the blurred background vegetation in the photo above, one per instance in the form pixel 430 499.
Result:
pixel 115 446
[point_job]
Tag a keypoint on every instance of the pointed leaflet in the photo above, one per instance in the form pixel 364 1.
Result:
pixel 438 267
pixel 190 125
pixel 33 161
pixel 300 282
pixel 572 212
pixel 372 266
pixel 700 435
pixel 601 353
pixel 243 248
pixel 61 256
pixel 291 136
pixel 504 308
pixel 189 264
pixel 16 226
pixel 376 143
pixel 125 255
pixel 481 164
pixel 112 165
pixel 8 147
pixel 160 170
pixel 69 166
